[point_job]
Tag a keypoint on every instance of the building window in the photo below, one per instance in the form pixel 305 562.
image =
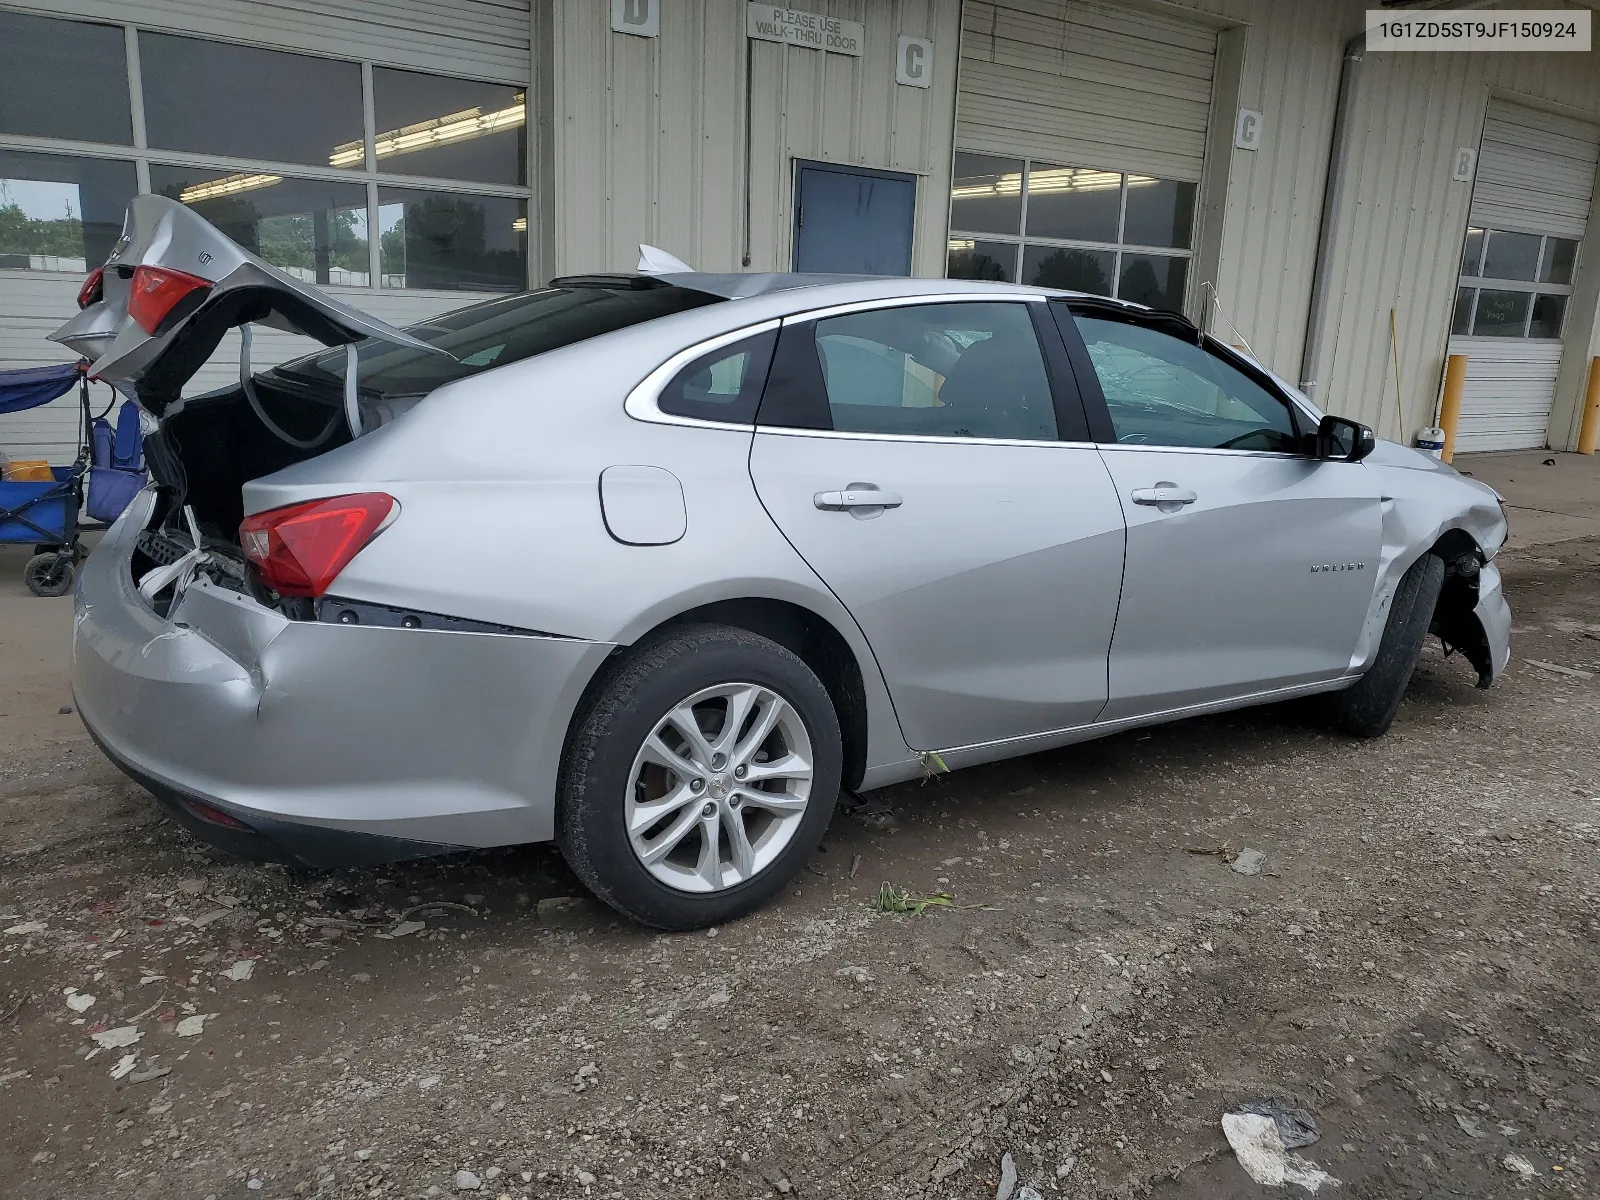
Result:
pixel 1513 285
pixel 60 213
pixel 63 79
pixel 1107 232
pixel 294 169
pixel 448 128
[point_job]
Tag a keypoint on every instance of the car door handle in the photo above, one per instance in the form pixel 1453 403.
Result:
pixel 1164 493
pixel 854 498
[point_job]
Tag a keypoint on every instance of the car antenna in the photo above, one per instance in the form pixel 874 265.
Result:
pixel 654 261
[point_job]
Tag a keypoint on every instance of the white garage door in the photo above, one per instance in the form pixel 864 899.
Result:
pixel 1535 181
pixel 1080 130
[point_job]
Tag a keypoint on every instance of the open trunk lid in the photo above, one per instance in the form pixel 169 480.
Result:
pixel 169 250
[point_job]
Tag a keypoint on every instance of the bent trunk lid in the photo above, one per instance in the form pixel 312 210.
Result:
pixel 152 368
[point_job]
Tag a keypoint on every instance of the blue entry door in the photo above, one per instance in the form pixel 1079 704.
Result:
pixel 852 221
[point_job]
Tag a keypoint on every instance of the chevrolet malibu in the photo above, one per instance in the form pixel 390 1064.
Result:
pixel 658 565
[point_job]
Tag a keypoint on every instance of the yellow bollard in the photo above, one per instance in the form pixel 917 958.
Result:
pixel 1589 433
pixel 1455 378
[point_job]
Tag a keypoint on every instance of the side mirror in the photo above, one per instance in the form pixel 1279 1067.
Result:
pixel 1340 439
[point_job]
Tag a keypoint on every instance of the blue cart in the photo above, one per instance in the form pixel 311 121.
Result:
pixel 46 514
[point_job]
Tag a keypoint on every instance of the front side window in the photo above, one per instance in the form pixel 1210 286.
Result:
pixel 723 385
pixel 60 213
pixel 1513 285
pixel 937 370
pixel 1109 233
pixel 1162 391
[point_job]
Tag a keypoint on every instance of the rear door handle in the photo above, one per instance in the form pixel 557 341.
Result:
pixel 1164 493
pixel 855 497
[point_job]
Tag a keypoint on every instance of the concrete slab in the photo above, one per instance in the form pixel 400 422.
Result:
pixel 1553 497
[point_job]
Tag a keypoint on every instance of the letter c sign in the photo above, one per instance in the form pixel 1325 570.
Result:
pixel 913 62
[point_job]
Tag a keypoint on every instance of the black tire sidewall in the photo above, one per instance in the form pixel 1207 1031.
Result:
pixel 1369 707
pixel 590 827
pixel 49 575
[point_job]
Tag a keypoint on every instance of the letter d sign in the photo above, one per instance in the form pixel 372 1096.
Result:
pixel 913 63
pixel 642 18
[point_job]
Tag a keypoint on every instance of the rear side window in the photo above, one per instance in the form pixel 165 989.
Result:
pixel 497 332
pixel 935 370
pixel 723 385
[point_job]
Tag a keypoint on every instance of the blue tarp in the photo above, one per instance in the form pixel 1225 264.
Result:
pixel 33 386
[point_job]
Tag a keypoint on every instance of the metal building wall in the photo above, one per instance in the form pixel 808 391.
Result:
pixel 1402 221
pixel 647 138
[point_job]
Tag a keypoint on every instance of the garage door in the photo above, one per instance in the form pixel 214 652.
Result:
pixel 1080 130
pixel 1535 181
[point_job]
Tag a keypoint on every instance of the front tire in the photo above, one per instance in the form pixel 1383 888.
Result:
pixel 699 778
pixel 1368 709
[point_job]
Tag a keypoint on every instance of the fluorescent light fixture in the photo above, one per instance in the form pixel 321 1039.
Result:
pixel 520 225
pixel 1049 180
pixel 228 185
pixel 437 131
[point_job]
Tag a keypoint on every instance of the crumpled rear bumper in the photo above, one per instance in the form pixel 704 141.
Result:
pixel 317 735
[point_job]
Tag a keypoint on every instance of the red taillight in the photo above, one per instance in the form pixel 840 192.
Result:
pixel 300 550
pixel 93 288
pixel 214 815
pixel 156 291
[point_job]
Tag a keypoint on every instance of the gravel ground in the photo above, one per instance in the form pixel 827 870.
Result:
pixel 1415 965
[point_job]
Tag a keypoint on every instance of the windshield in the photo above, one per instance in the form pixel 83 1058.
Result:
pixel 497 332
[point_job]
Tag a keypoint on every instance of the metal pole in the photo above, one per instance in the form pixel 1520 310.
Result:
pixel 1589 434
pixel 1455 378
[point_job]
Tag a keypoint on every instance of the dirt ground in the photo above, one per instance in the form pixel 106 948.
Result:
pixel 1417 965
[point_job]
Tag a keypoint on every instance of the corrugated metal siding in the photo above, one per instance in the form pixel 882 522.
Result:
pixel 32 306
pixel 648 133
pixel 488 39
pixel 1535 171
pixel 1086 84
pixel 1402 223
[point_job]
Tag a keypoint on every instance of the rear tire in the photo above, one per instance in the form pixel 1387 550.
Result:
pixel 50 574
pixel 1368 709
pixel 738 828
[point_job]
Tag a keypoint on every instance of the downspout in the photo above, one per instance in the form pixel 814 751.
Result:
pixel 1332 198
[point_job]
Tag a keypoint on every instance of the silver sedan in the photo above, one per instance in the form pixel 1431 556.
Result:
pixel 658 565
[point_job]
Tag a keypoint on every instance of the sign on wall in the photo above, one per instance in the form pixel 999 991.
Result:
pixel 913 62
pixel 642 18
pixel 793 27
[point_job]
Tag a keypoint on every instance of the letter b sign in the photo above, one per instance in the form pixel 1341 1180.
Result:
pixel 642 18
pixel 913 63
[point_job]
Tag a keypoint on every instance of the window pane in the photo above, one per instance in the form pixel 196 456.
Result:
pixel 452 241
pixel 496 332
pixel 1548 312
pixel 246 102
pixel 1153 279
pixel 1074 203
pixel 1069 268
pixel 59 213
pixel 953 370
pixel 1165 392
pixel 724 385
pixel 971 259
pixel 65 79
pixel 1501 314
pixel 316 231
pixel 1472 251
pixel 1559 256
pixel 986 194
pixel 1461 321
pixel 448 128
pixel 1160 212
pixel 1511 255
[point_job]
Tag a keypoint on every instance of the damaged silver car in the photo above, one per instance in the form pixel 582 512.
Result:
pixel 657 565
